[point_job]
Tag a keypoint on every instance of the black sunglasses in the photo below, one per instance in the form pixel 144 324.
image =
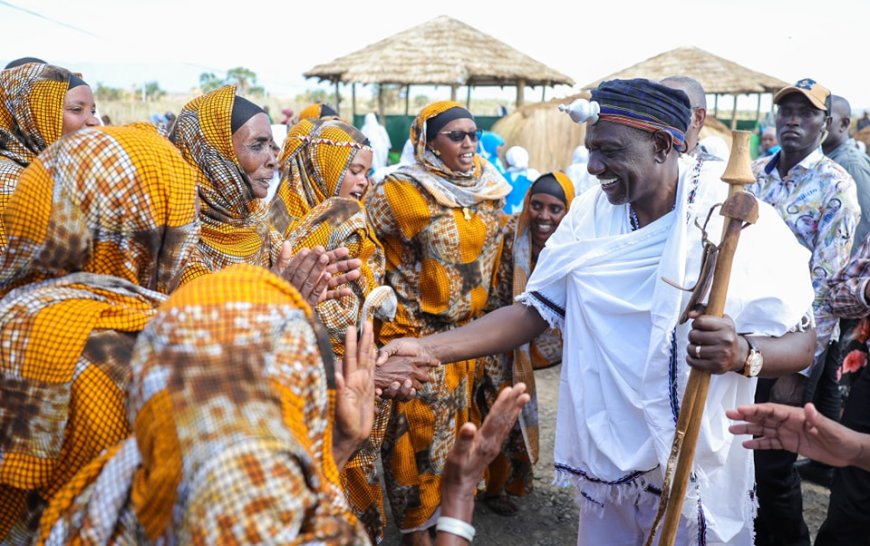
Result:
pixel 459 136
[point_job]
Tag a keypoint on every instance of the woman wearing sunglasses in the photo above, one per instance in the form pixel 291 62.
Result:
pixel 440 223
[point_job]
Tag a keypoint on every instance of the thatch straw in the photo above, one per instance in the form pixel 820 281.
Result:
pixel 443 51
pixel 715 74
pixel 548 134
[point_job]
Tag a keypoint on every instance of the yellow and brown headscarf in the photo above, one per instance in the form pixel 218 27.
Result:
pixel 309 213
pixel 450 188
pixel 314 162
pixel 234 226
pixel 99 231
pixel 317 111
pixel 230 416
pixel 31 118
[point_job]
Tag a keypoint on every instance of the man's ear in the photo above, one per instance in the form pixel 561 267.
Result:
pixel 699 117
pixel 844 123
pixel 663 143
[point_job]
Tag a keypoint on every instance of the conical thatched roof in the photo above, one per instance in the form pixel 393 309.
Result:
pixel 716 74
pixel 443 51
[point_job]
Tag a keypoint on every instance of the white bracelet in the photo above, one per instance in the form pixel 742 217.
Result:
pixel 455 527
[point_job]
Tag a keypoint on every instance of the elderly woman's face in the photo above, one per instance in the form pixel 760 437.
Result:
pixel 257 153
pixel 457 156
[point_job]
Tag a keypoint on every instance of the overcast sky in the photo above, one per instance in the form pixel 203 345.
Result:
pixel 122 42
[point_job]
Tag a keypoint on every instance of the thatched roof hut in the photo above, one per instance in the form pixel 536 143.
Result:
pixel 442 51
pixel 718 76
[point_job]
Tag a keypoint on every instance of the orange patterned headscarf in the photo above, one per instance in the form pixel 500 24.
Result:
pixel 231 416
pixel 113 201
pixel 101 224
pixel 314 163
pixel 308 212
pixel 234 227
pixel 31 118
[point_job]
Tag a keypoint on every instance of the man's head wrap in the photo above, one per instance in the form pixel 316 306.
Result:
pixel 243 110
pixel 645 105
pixel 434 125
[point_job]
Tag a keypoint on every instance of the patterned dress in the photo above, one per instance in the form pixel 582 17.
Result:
pixel 31 118
pixel 441 232
pixel 308 211
pixel 91 265
pixel 230 402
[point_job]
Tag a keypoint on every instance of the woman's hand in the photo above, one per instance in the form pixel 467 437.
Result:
pixel 318 275
pixel 354 394
pixel 799 430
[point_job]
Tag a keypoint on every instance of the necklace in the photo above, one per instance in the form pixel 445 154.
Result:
pixel 632 218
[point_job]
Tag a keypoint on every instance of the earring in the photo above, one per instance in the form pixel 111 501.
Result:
pixel 436 152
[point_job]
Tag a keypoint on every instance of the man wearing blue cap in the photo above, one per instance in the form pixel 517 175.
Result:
pixel 627 354
pixel 818 201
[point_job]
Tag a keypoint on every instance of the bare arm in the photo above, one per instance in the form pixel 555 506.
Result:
pixel 497 332
pixel 801 430
pixel 471 454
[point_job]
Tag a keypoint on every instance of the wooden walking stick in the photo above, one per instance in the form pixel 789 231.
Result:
pixel 739 209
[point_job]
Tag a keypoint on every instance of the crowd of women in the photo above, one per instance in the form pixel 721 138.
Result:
pixel 186 361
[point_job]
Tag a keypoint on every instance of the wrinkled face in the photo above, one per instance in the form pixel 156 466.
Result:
pixel 79 110
pixel 257 153
pixel 545 214
pixel 799 124
pixel 621 157
pixel 457 156
pixel 356 179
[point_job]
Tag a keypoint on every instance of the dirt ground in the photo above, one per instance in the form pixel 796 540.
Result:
pixel 548 517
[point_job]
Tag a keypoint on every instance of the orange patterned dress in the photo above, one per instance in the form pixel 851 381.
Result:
pixel 441 232
pixel 308 211
pixel 230 405
pixel 99 231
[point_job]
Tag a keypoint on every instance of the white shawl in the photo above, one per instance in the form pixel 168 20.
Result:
pixel 624 370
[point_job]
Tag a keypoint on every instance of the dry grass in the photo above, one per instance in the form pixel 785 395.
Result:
pixel 442 51
pixel 548 134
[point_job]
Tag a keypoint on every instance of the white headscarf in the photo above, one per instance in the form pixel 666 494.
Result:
pixel 379 140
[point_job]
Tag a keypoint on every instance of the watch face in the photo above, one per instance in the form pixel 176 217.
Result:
pixel 754 363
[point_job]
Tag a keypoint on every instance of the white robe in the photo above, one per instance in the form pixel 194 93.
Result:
pixel 624 369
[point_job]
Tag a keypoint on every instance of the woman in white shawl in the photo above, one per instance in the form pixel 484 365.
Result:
pixel 378 139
